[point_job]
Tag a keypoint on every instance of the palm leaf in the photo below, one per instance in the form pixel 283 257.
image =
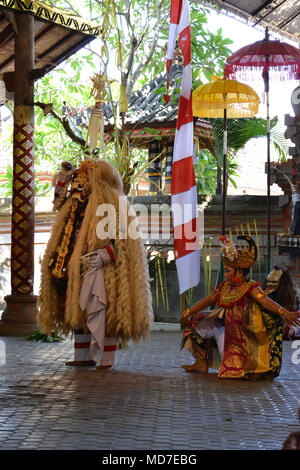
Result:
pixel 240 131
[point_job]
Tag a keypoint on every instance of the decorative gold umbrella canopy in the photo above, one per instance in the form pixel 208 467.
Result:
pixel 224 98
pixel 211 99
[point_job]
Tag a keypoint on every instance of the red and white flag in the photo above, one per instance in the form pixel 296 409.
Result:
pixel 184 189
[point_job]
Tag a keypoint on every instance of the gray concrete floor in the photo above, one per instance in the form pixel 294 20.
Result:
pixel 146 402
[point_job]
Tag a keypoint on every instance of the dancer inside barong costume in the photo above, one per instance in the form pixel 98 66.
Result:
pixel 281 288
pixel 94 276
pixel 246 324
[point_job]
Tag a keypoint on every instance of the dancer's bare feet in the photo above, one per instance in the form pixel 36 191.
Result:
pixel 198 366
pixel 103 369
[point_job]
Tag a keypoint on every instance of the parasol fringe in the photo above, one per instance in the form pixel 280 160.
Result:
pixel 234 110
pixel 248 72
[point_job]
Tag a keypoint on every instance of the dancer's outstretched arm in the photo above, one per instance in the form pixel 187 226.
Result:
pixel 199 306
pixel 291 317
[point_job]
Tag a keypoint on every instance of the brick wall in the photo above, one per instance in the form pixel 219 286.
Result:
pixel 157 231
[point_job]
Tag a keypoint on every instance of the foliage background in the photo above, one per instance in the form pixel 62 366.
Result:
pixel 131 51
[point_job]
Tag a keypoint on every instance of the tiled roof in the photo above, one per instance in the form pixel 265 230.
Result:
pixel 147 106
pixel 280 16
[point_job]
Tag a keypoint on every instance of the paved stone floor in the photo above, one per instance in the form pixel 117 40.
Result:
pixel 146 402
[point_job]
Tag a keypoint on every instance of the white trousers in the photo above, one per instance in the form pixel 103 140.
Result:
pixel 85 349
pixel 212 328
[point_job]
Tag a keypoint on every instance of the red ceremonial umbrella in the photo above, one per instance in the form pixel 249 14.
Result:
pixel 266 55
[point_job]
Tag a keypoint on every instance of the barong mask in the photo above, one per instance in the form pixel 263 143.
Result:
pixel 80 187
pixel 273 280
pixel 238 258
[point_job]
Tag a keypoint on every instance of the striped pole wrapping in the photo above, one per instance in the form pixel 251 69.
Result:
pixel 184 190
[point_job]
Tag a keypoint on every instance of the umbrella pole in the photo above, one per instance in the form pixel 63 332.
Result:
pixel 224 173
pixel 268 174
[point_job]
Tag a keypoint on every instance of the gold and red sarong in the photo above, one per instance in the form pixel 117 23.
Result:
pixel 253 337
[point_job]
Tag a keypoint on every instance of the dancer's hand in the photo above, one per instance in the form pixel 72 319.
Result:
pixel 185 317
pixel 292 318
pixel 198 316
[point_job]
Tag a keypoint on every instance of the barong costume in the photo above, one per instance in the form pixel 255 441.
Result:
pixel 90 283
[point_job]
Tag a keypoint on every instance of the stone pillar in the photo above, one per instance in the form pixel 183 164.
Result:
pixel 19 317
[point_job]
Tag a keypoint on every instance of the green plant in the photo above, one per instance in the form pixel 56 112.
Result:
pixel 6 184
pixel 40 337
pixel 206 173
pixel 136 32
pixel 240 131
pixel 157 272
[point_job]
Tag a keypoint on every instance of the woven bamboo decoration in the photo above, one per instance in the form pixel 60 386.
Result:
pixel 96 124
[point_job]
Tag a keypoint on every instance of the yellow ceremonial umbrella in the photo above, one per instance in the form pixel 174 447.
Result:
pixel 224 98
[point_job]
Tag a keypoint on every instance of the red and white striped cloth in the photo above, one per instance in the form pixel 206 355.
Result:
pixel 184 189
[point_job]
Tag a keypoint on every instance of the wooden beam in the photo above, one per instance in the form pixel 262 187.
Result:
pixel 49 64
pixel 57 44
pixel 269 12
pixel 43 32
pixel 9 79
pixel 66 54
pixel 262 7
pixel 39 73
pixel 6 35
pixel 7 61
pixel 2 16
pixel 289 19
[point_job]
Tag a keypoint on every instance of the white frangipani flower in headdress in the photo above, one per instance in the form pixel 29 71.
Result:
pixel 236 258
pixel 228 249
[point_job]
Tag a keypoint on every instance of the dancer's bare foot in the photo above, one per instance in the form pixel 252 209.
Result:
pixel 103 369
pixel 200 366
